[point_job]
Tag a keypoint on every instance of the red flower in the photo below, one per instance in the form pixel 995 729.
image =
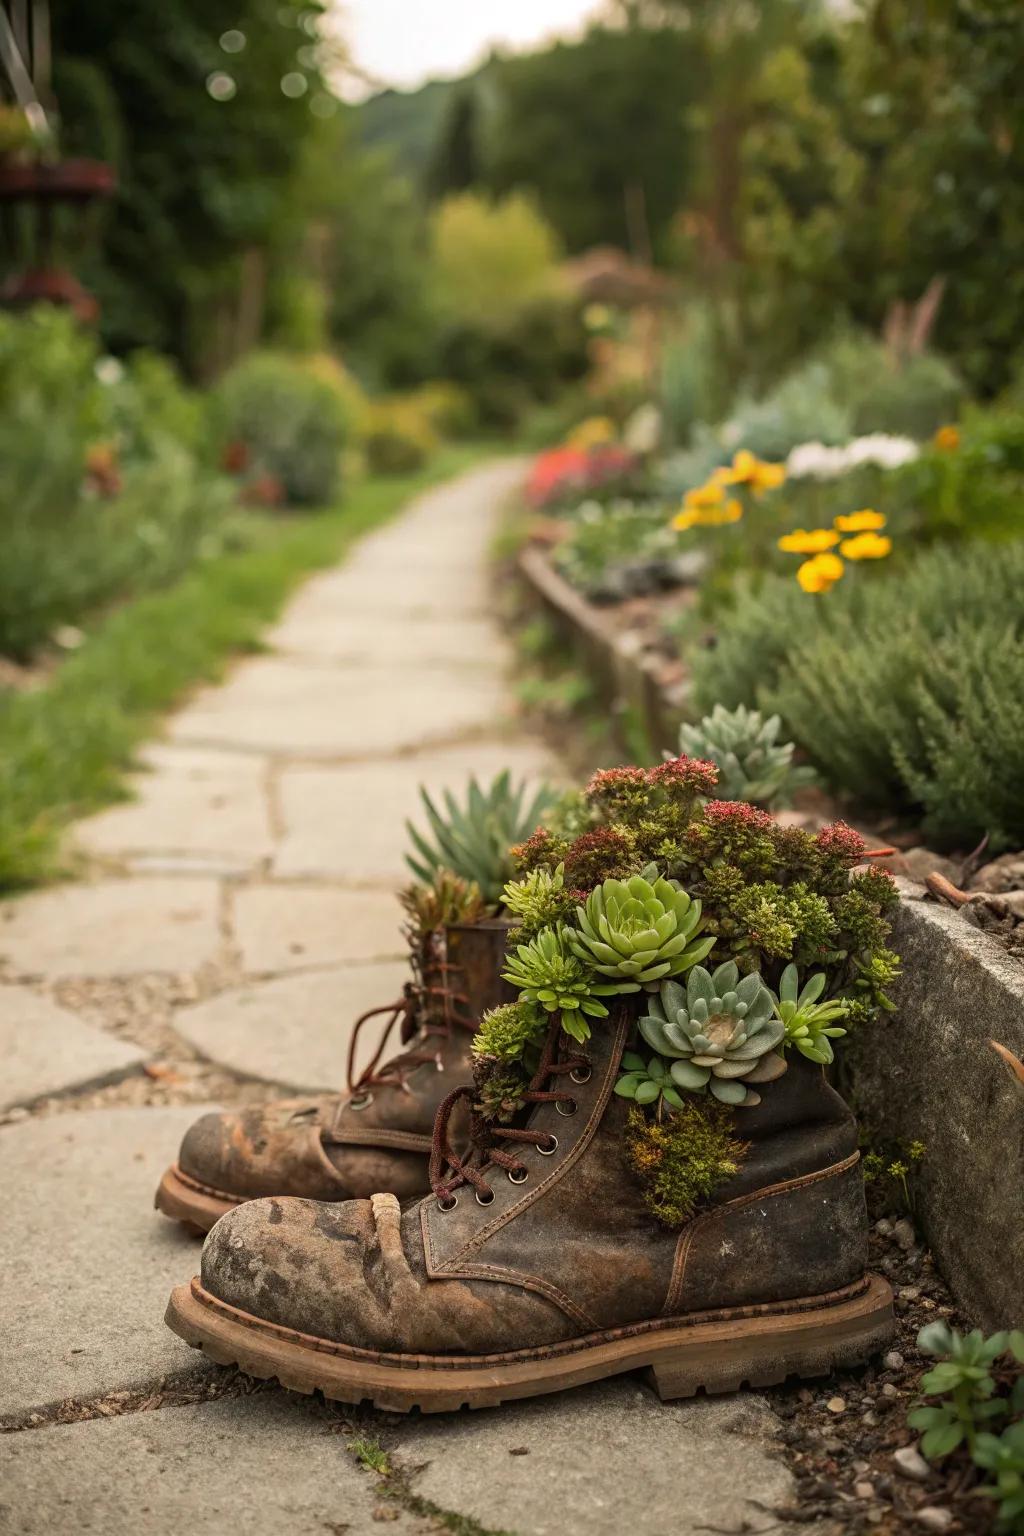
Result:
pixel 737 814
pixel 842 842
pixel 611 783
pixel 696 774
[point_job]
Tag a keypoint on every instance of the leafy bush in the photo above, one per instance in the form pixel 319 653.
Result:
pixel 883 392
pixel 906 691
pixel 291 424
pixel 103 489
pixel 397 436
pixel 621 549
pixel 492 259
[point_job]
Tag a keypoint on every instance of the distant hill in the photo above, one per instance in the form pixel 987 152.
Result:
pixel 408 122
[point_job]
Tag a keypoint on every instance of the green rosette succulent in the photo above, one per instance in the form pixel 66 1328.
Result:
pixel 546 971
pixel 719 1032
pixel 639 931
pixel 809 1025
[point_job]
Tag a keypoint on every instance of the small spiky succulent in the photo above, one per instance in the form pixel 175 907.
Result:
pixel 718 1031
pixel 809 1025
pixel 752 763
pixel 508 1030
pixel 640 930
pixel 446 899
pixel 546 971
pixel 475 839
pixel 538 899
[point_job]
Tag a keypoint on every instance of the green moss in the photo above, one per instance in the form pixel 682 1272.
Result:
pixel 506 1032
pixel 682 1161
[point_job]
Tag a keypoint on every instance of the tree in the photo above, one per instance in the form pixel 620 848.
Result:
pixel 455 165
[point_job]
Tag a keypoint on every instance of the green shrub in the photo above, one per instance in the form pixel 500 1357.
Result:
pixel 103 487
pixel 905 689
pixel 397 437
pixel 910 396
pixel 291 423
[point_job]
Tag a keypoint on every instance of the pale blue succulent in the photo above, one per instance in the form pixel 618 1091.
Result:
pixel 720 1032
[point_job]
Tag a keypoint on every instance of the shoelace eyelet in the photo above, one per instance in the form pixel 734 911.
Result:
pixel 448 1205
pixel 566 1107
pixel 549 1151
pixel 362 1101
pixel 582 1074
pixel 518 1175
pixel 481 1201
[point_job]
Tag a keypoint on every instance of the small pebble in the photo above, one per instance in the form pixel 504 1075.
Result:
pixel 832 1444
pixel 933 1518
pixel 893 1361
pixel 870 1420
pixel 911 1463
pixel 889 1390
pixel 910 1292
pixel 836 1405
pixel 903 1233
pixel 874 1514
pixel 883 1228
pixel 864 1490
pixel 862 1466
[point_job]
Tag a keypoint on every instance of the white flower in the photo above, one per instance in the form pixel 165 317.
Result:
pixel 816 460
pixel 109 370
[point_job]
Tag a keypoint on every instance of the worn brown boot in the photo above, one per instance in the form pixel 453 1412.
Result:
pixel 377 1135
pixel 537 1265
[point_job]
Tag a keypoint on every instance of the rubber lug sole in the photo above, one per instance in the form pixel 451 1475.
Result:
pixel 196 1206
pixel 680 1359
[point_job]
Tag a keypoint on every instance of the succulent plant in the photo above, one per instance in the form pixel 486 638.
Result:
pixel 538 898
pixel 648 1082
pixel 752 764
pixel 808 1023
pixel 719 1032
pixel 508 1030
pixel 474 840
pixel 447 898
pixel 546 971
pixel 638 931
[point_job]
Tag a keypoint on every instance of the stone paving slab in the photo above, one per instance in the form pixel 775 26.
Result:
pixel 288 927
pixel 604 1460
pixel 264 1465
pixel 86 1264
pixel 281 707
pixel 198 804
pixel 112 928
pixel 47 1050
pixel 348 822
pixel 295 1029
pixel 431 641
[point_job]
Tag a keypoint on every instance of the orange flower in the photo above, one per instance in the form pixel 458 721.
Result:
pixel 947 439
pixel 865 521
pixel 866 546
pixel 747 469
pixel 820 573
pixel 808 541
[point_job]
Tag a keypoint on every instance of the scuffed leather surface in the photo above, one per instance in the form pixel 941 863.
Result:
pixel 342 1272
pixel 263 1148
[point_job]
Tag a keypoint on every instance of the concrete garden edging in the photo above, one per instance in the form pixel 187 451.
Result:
pixel 926 1073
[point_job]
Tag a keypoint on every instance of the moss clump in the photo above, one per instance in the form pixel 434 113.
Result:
pixel 681 1161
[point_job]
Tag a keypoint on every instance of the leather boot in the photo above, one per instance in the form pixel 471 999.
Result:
pixel 378 1134
pixel 536 1265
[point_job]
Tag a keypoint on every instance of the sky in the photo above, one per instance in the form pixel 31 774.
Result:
pixel 404 42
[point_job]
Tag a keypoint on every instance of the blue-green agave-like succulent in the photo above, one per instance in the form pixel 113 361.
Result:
pixel 720 1033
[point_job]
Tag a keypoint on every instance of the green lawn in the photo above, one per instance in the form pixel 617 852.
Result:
pixel 64 748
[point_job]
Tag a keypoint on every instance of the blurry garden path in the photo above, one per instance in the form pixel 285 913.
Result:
pixel 234 918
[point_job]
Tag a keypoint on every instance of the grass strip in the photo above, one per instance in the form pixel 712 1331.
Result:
pixel 64 747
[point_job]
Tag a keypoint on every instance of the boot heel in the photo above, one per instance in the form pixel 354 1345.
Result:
pixel 761 1351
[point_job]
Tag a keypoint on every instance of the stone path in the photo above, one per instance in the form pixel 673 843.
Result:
pixel 231 921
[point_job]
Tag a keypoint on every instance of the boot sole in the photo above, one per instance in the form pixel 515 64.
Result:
pixel 196 1206
pixel 716 1352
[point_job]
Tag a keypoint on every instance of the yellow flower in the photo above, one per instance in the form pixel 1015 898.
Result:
pixel 820 573
pixel 592 433
pixel 947 439
pixel 865 521
pixel 708 514
pixel 866 546
pixel 753 472
pixel 808 541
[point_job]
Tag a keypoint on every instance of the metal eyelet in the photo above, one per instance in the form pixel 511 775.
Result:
pixel 481 1201
pixel 362 1101
pixel 563 1107
pixel 582 1074
pixel 448 1205
pixel 518 1176
pixel 549 1151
